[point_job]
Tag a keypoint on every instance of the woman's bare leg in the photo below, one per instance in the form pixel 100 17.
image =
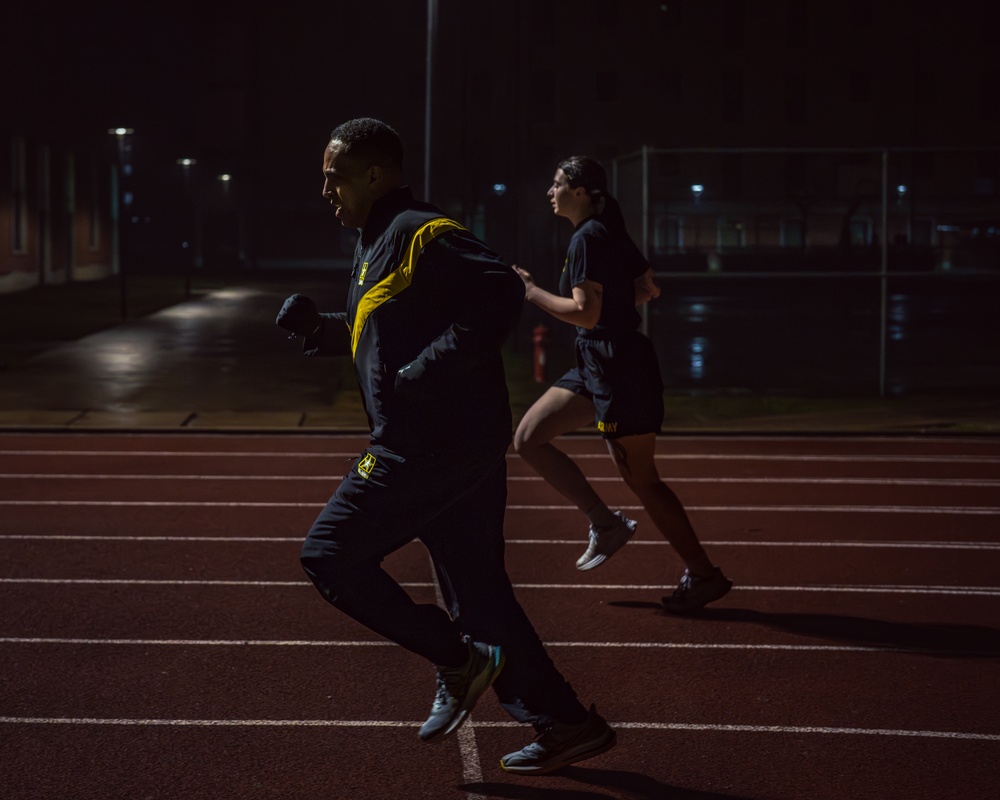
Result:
pixel 556 412
pixel 633 456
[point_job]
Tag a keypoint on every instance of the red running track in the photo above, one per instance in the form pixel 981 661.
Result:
pixel 158 640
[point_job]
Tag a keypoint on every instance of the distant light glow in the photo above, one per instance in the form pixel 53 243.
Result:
pixel 697 347
pixel 121 131
pixel 499 188
pixel 697 188
pixel 898 317
pixel 225 176
pixel 187 162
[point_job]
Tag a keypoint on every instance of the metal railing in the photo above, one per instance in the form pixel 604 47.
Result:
pixel 885 208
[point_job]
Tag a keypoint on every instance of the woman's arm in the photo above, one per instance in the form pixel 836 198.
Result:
pixel 583 309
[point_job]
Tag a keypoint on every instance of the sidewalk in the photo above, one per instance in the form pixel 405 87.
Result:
pixel 217 362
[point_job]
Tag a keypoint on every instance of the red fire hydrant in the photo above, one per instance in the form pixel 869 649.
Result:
pixel 540 338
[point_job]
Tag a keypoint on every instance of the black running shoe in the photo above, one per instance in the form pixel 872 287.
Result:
pixel 693 594
pixel 560 745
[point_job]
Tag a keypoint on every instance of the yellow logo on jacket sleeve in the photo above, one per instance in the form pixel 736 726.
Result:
pixel 366 465
pixel 364 271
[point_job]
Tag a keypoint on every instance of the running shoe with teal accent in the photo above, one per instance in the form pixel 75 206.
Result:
pixel 693 593
pixel 458 689
pixel 560 745
pixel 605 542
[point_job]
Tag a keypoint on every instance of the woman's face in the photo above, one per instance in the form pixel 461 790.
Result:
pixel 566 201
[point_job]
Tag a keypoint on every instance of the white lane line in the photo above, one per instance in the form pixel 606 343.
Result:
pixel 113 477
pixel 758 543
pixel 840 457
pixel 679 726
pixel 956 510
pixel 179 453
pixel 948 482
pixel 86 538
pixel 982 591
pixel 641 726
pixel 571 542
pixel 779 480
pixel 348 644
pixel 472 771
pixel 198 642
pixel 146 582
pixel 854 509
pixel 844 457
pixel 158 504
pixel 468 751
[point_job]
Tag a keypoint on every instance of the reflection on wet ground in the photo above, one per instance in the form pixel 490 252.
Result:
pixel 221 352
pixel 826 335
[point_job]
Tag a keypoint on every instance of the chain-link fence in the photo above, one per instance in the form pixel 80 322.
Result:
pixel 814 270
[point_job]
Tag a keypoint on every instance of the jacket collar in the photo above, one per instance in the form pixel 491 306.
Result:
pixel 383 211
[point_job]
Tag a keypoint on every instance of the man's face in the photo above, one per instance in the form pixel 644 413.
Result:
pixel 349 185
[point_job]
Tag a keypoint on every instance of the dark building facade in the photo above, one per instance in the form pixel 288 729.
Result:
pixel 515 87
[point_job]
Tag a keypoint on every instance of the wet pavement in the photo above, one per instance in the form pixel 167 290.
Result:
pixel 218 362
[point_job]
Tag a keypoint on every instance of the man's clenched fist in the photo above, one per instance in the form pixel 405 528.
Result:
pixel 299 316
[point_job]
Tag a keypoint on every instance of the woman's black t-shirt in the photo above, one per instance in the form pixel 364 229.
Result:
pixel 613 261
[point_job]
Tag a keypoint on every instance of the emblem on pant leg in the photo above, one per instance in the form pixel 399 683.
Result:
pixel 607 427
pixel 366 465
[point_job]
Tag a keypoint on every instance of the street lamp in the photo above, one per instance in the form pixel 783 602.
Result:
pixel 191 228
pixel 122 204
pixel 123 148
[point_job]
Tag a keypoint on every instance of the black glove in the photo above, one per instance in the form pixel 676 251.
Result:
pixel 299 316
pixel 407 379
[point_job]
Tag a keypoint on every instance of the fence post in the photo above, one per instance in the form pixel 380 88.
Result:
pixel 884 278
pixel 644 309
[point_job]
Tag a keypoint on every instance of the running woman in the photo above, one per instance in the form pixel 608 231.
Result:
pixel 616 380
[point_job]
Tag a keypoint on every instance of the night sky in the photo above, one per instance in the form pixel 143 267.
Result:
pixel 253 89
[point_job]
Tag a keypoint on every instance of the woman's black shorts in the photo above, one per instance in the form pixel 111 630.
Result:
pixel 621 375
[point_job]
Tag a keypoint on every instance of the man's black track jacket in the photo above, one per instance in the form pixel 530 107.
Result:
pixel 445 309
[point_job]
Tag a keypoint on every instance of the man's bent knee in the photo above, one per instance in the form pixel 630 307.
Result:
pixel 326 567
pixel 331 576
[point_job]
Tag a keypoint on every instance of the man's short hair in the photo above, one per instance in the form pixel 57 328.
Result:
pixel 371 141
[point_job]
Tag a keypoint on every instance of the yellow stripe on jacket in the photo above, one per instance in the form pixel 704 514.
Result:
pixel 397 280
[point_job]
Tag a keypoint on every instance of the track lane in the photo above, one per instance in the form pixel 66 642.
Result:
pixel 750 657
